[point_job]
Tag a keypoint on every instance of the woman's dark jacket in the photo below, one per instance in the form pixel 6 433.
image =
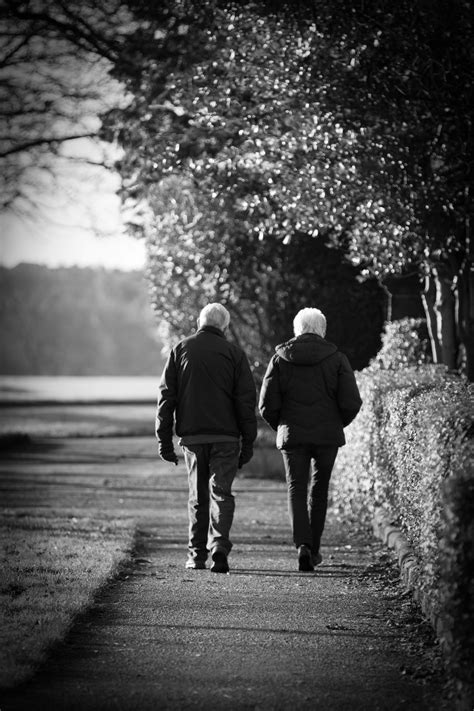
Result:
pixel 309 393
pixel 207 388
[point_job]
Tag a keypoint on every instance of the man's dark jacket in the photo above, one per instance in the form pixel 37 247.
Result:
pixel 207 388
pixel 309 393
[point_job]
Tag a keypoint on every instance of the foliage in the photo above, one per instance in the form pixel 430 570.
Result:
pixel 457 575
pixel 281 122
pixel 409 451
pixel 341 121
pixel 253 276
pixel 226 165
pixel 404 344
pixel 76 322
pixel 234 173
pixel 238 125
pixel 403 74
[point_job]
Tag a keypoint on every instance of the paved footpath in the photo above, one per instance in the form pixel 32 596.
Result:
pixel 263 637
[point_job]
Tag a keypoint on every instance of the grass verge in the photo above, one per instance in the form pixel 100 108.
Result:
pixel 52 566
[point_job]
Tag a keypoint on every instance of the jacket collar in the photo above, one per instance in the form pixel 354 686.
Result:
pixel 212 329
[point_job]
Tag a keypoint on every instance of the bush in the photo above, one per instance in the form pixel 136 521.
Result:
pixel 408 451
pixel 457 574
pixel 404 343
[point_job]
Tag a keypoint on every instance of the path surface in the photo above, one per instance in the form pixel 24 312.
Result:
pixel 161 637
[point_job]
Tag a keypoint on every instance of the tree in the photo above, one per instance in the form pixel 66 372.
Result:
pixel 239 121
pixel 196 256
pixel 55 74
pixel 76 321
pixel 234 170
pixel 340 121
pixel 403 74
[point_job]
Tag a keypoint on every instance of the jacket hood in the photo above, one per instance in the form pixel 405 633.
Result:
pixel 307 349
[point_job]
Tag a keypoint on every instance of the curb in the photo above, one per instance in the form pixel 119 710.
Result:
pixel 392 536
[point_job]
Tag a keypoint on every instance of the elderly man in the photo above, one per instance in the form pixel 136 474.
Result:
pixel 309 394
pixel 207 391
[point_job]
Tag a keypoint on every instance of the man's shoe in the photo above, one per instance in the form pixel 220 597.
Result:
pixel 316 559
pixel 219 562
pixel 304 559
pixel 193 564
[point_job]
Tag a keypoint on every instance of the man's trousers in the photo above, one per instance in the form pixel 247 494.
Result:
pixel 211 471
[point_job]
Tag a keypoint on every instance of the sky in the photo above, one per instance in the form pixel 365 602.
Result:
pixel 76 220
pixel 55 244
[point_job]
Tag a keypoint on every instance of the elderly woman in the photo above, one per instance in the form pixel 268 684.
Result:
pixel 309 394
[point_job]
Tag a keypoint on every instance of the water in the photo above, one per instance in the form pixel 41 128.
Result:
pixel 71 389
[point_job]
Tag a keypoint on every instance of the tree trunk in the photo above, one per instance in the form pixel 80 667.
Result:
pixel 466 319
pixel 428 297
pixel 466 299
pixel 445 316
pixel 388 305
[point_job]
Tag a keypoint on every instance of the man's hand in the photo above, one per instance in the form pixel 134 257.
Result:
pixel 168 454
pixel 246 455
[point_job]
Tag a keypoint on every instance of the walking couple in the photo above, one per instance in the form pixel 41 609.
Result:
pixel 207 396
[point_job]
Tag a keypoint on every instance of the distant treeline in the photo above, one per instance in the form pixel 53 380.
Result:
pixel 76 321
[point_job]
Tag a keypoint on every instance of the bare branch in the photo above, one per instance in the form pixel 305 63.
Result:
pixel 105 46
pixel 43 141
pixel 7 59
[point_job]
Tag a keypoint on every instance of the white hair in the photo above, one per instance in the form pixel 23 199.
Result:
pixel 214 315
pixel 310 321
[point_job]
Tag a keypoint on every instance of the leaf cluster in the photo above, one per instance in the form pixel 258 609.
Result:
pixel 410 451
pixel 404 344
pixel 240 119
pixel 403 74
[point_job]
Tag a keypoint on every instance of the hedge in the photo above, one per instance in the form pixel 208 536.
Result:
pixel 409 452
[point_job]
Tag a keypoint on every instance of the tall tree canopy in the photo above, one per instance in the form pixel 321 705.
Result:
pixel 350 121
pixel 235 169
pixel 253 126
pixel 403 73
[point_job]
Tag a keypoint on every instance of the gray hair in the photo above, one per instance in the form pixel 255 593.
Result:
pixel 214 315
pixel 310 321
